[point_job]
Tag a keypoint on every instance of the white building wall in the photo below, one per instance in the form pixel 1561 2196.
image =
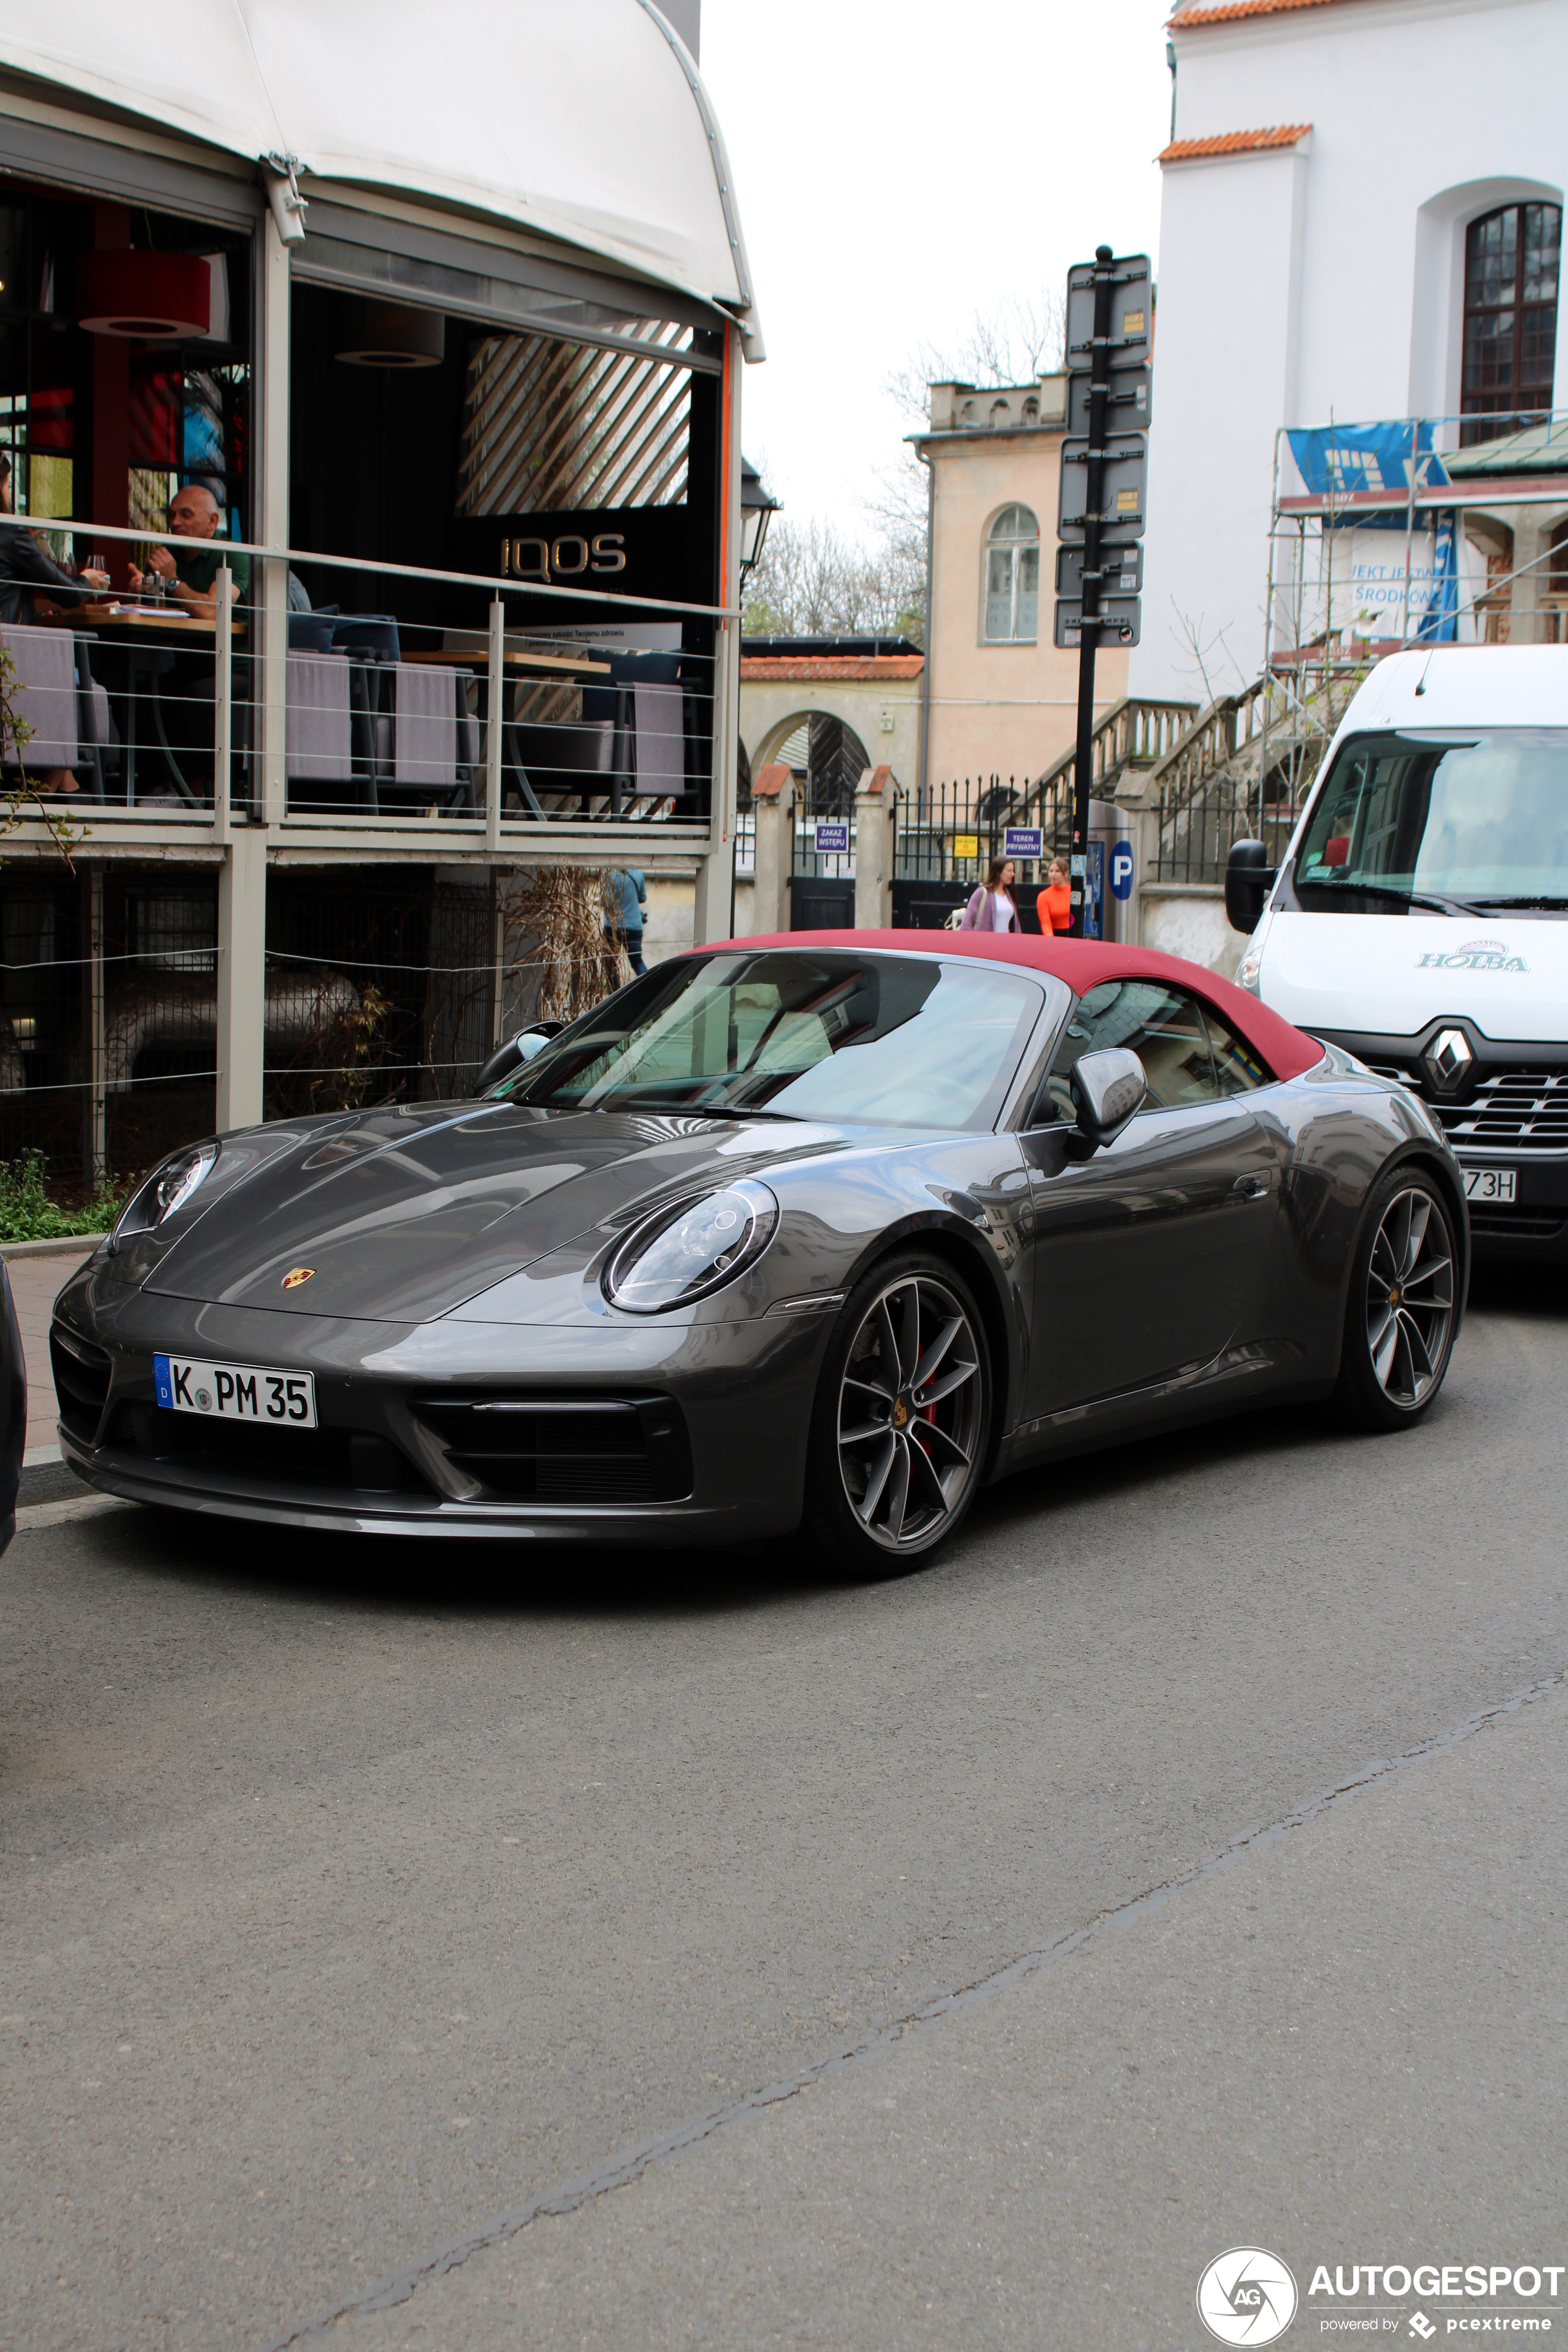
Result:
pixel 1335 292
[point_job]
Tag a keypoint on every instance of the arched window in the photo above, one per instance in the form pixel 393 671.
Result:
pixel 1012 578
pixel 1511 259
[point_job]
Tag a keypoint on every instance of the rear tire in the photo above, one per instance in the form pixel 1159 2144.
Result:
pixel 1399 1315
pixel 902 1420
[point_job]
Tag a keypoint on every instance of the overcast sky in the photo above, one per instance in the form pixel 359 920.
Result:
pixel 901 164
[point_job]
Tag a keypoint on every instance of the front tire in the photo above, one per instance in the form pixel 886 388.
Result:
pixel 902 1420
pixel 1399 1316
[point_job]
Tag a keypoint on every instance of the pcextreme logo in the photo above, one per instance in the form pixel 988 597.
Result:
pixel 1247 2297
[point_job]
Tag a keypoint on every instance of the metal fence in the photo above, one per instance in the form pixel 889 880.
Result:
pixel 382 986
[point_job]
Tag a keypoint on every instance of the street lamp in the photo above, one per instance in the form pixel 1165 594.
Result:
pixel 757 505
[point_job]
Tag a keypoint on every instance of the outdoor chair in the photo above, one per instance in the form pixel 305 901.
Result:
pixel 548 761
pixel 646 705
pixel 329 752
pixel 44 699
pixel 427 740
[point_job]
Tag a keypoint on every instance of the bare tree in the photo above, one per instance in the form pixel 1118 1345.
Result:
pixel 813 580
pixel 1016 343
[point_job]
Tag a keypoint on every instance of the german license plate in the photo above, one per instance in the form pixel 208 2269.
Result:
pixel 235 1392
pixel 1490 1183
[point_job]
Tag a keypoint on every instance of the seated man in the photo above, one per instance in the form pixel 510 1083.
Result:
pixel 191 574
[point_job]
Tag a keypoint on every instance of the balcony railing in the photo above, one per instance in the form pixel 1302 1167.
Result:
pixel 157 726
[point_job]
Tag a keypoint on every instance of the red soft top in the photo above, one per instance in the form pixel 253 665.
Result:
pixel 1082 964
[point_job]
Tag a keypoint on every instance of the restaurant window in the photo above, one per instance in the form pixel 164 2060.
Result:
pixel 1511 264
pixel 1012 586
pixel 103 411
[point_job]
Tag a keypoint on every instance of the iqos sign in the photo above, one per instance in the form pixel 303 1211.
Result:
pixel 562 559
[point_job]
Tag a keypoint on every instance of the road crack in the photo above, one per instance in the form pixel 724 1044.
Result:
pixel 620 2170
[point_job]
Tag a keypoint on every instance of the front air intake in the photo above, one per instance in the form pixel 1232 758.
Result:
pixel 590 1451
pixel 81 1370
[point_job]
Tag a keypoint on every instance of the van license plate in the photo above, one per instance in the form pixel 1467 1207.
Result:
pixel 235 1392
pixel 1490 1183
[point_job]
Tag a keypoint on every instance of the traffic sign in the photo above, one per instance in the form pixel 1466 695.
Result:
pixel 1124 475
pixel 1122 870
pixel 1021 841
pixel 1119 622
pixel 832 840
pixel 1128 398
pixel 1131 331
pixel 1120 570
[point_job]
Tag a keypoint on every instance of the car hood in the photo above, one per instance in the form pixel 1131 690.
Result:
pixel 1391 974
pixel 401 1215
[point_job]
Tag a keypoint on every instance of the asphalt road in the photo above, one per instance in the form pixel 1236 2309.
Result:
pixel 634 1952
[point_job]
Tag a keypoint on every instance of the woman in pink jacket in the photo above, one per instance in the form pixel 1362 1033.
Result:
pixel 994 908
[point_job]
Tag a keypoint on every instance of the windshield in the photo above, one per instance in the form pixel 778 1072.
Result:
pixel 1472 821
pixel 894 1041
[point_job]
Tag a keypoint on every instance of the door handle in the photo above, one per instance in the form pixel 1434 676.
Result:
pixel 1253 1185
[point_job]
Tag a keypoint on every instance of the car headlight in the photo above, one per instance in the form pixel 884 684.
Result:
pixel 167 1188
pixel 691 1248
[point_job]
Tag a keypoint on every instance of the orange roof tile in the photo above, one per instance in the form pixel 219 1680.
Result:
pixel 1225 12
pixel 1232 142
pixel 800 670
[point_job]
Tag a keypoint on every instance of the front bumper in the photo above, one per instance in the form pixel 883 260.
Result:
pixel 667 1433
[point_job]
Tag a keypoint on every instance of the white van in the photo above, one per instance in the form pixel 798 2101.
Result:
pixel 1419 917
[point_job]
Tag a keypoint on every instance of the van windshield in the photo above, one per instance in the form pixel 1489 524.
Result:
pixel 1447 824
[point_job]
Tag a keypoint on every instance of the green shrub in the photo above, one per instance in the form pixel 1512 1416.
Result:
pixel 27 1214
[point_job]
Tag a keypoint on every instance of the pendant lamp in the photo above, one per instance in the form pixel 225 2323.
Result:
pixel 153 296
pixel 393 335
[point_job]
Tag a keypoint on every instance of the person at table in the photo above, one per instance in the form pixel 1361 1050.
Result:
pixel 26 565
pixel 190 573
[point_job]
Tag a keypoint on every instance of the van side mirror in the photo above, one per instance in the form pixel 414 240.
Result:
pixel 1248 879
pixel 516 1050
pixel 1109 1089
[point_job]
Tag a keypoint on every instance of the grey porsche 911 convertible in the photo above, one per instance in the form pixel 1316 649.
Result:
pixel 817 1232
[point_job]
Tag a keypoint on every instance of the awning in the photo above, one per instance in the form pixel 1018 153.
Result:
pixel 589 123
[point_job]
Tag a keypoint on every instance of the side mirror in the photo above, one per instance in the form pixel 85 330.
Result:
pixel 1248 879
pixel 516 1050
pixel 1109 1089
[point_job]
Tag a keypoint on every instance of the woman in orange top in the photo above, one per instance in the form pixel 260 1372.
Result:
pixel 1055 901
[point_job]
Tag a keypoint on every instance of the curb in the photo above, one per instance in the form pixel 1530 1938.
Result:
pixel 56 1246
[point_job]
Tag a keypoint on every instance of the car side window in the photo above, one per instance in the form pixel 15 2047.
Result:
pixel 1163 1026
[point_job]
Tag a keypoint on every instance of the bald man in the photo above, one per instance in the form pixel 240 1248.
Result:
pixel 191 573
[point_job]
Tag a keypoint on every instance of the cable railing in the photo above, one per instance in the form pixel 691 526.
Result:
pixel 445 707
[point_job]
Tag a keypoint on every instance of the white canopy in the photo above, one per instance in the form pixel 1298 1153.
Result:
pixel 585 120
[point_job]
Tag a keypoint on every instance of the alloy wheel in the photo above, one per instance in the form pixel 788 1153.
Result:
pixel 1410 1298
pixel 911 1405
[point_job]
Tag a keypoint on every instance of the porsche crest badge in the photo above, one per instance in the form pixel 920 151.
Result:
pixel 295 1275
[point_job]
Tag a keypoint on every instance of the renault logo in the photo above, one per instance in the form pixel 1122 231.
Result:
pixel 1449 1059
pixel 295 1275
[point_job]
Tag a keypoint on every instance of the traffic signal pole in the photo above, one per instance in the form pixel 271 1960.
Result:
pixel 1093 576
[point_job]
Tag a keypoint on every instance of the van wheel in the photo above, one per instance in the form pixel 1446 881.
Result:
pixel 1399 1316
pixel 899 1425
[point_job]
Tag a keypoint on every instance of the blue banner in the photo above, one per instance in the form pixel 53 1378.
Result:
pixel 1440 622
pixel 1337 460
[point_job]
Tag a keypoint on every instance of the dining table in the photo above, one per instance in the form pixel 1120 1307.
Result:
pixel 521 666
pixel 139 637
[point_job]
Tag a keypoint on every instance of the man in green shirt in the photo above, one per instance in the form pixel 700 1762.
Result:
pixel 191 574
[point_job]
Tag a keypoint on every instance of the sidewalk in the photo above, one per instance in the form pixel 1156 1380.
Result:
pixel 36 1284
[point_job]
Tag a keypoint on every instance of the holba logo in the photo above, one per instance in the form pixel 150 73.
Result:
pixel 1247 2297
pixel 1476 955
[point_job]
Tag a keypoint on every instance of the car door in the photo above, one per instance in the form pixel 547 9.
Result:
pixel 1147 1252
